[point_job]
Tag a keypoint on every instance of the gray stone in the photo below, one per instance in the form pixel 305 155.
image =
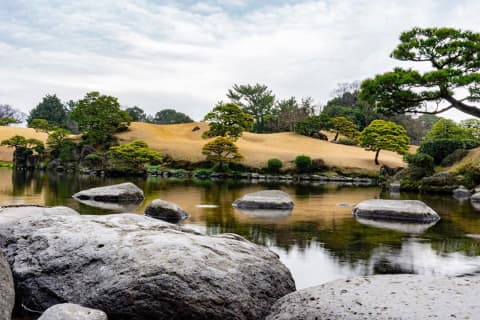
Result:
pixel 123 192
pixel 167 211
pixel 113 206
pixel 475 197
pixel 7 292
pixel 394 187
pixel 462 193
pixel 400 210
pixel 135 267
pixel 69 311
pixel 383 297
pixel 266 199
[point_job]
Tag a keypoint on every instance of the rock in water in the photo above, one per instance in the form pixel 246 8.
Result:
pixel 123 192
pixel 135 267
pixel 383 297
pixel 400 210
pixel 69 311
pixel 461 193
pixel 266 199
pixel 7 292
pixel 167 211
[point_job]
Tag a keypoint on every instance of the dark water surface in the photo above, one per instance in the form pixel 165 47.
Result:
pixel 319 241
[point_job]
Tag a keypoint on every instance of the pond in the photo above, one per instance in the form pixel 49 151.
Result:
pixel 319 241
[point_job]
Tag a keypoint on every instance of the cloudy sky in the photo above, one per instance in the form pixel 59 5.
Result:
pixel 186 54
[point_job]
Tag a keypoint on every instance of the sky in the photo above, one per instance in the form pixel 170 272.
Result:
pixel 186 54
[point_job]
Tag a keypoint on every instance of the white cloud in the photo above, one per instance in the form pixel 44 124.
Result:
pixel 186 57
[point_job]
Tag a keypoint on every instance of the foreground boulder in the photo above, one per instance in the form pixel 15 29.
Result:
pixel 69 311
pixel 399 210
pixel 123 192
pixel 167 211
pixel 383 297
pixel 135 267
pixel 7 293
pixel 266 199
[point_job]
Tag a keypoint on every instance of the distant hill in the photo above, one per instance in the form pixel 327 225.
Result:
pixel 180 142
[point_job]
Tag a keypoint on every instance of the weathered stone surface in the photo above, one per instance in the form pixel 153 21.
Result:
pixel 400 210
pixel 266 199
pixel 7 293
pixel 383 297
pixel 135 267
pixel 113 206
pixel 16 212
pixel 123 192
pixel 69 311
pixel 475 197
pixel 461 193
pixel 165 210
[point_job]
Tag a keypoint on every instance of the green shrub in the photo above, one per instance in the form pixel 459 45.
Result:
pixel 454 157
pixel 203 172
pixel 274 165
pixel 421 160
pixel 441 148
pixel 303 163
pixel 347 141
pixel 470 173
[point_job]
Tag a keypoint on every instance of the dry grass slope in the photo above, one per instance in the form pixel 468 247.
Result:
pixel 179 141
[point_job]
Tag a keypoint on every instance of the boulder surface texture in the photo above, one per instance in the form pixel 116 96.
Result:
pixel 135 267
pixel 400 210
pixel 266 199
pixel 123 192
pixel 69 311
pixel 7 293
pixel 383 297
pixel 167 211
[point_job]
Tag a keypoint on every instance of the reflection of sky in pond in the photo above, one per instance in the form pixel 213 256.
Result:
pixel 319 240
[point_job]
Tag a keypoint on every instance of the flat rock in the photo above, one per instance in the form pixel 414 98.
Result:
pixel 7 292
pixel 112 206
pixel 461 193
pixel 69 311
pixel 400 210
pixel 165 210
pixel 266 199
pixel 123 192
pixel 383 297
pixel 135 267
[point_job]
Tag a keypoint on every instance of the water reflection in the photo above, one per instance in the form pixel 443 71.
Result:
pixel 319 240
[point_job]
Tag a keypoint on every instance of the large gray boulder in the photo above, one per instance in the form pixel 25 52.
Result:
pixel 123 192
pixel 7 292
pixel 135 267
pixel 69 311
pixel 399 210
pixel 266 199
pixel 167 211
pixel 383 297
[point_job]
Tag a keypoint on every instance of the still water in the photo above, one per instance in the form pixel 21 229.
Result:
pixel 319 241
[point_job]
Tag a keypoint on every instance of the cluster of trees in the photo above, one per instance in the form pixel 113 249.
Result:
pixel 165 116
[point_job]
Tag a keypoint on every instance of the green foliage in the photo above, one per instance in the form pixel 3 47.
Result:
pixel 274 165
pixel 95 160
pixel 341 125
pixel 132 157
pixel 454 157
pixel 221 150
pixel 41 125
pixel 227 120
pixel 311 125
pixel 23 148
pixel 136 113
pixel 455 61
pixel 171 116
pixel 98 117
pixel 347 141
pixel 5 121
pixel 52 110
pixel 421 161
pixel 470 173
pixel 441 148
pixel 8 113
pixel 447 129
pixel 384 135
pixel 303 163
pixel 257 100
pixel 60 145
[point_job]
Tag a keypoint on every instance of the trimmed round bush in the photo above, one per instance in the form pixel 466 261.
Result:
pixel 440 148
pixel 454 157
pixel 421 160
pixel 347 141
pixel 274 165
pixel 303 163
